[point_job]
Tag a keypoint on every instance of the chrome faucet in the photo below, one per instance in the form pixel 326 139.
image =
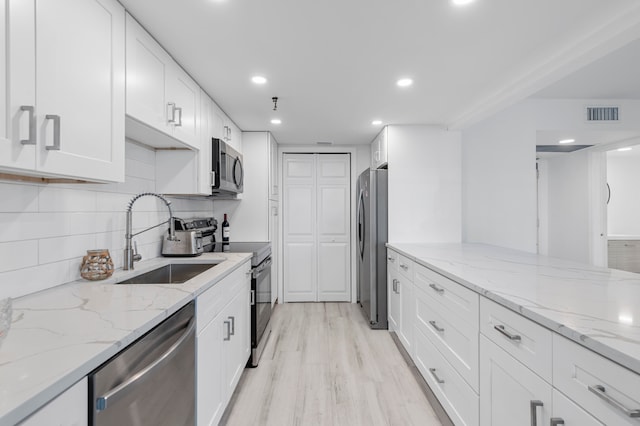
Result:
pixel 129 255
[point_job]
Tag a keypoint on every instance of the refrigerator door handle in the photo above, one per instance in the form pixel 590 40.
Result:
pixel 361 223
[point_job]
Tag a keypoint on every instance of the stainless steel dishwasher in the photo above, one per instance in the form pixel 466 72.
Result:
pixel 152 382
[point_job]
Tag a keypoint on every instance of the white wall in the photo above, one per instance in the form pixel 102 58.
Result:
pixel 45 229
pixel 568 206
pixel 623 176
pixel 499 181
pixel 424 184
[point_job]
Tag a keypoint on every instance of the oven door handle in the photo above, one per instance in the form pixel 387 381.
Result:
pixel 117 393
pixel 257 271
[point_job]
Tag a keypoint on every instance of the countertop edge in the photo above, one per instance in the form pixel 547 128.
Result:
pixel 600 348
pixel 29 406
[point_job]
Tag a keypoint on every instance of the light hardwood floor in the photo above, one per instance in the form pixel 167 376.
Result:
pixel 323 365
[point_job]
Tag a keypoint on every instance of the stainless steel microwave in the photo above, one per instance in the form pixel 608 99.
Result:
pixel 227 171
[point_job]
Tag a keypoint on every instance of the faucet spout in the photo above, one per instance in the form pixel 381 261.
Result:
pixel 129 255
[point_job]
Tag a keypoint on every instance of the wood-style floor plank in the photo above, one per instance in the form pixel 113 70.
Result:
pixel 323 365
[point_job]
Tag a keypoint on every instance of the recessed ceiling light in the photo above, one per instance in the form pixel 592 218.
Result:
pixel 258 79
pixel 404 82
pixel 565 141
pixel 276 121
pixel 461 2
pixel 625 149
pixel 376 122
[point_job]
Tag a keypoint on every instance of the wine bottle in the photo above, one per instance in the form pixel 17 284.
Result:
pixel 225 229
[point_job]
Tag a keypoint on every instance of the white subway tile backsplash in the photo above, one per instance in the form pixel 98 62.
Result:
pixel 54 199
pixel 19 197
pixel 65 248
pixel 45 229
pixel 18 255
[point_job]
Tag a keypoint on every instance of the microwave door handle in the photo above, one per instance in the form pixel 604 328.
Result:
pixel 120 391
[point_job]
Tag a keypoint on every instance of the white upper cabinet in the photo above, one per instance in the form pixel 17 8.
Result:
pixel 69 56
pixel 379 150
pixel 160 95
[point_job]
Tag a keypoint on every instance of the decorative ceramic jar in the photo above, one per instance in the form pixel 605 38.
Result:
pixel 96 265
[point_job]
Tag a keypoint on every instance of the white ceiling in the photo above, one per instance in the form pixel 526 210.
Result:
pixel 333 63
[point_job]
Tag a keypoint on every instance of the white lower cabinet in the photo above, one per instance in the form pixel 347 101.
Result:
pixel 400 299
pixel 510 393
pixel 70 408
pixel 566 412
pixel 456 396
pixel 223 343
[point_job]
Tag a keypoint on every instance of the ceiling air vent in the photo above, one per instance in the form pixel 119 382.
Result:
pixel 603 114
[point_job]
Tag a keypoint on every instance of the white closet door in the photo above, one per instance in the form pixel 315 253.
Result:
pixel 316 219
pixel 333 227
pixel 300 253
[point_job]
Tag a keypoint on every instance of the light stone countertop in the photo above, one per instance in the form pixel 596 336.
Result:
pixel 598 308
pixel 60 335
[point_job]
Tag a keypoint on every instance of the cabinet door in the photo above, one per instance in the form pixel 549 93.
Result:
pixel 18 100
pixel 407 313
pixel 147 70
pixel 571 414
pixel 393 300
pixel 273 168
pixel 217 125
pixel 234 320
pixel 185 94
pixel 209 373
pixel 68 409
pixel 274 237
pixel 80 88
pixel 510 393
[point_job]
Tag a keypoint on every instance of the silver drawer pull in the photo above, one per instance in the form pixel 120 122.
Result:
pixel 435 376
pixel 533 406
pixel 56 132
pixel 391 259
pixel 435 325
pixel 32 125
pixel 403 266
pixel 436 288
pixel 600 391
pixel 555 421
pixel 228 324
pixel 514 337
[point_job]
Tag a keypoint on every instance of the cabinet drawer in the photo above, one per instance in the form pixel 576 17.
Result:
pixel 392 260
pixel 448 294
pixel 570 413
pixel 211 302
pixel 454 336
pixel 405 266
pixel 522 338
pixel 577 369
pixel 458 399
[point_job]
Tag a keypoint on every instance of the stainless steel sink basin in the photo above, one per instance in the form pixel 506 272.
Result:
pixel 174 273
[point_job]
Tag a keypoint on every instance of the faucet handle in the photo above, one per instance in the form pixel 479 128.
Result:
pixel 136 255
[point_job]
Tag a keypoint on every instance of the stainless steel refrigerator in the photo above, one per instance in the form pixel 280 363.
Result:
pixel 371 193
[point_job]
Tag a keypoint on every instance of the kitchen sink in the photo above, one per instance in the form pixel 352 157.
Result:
pixel 174 273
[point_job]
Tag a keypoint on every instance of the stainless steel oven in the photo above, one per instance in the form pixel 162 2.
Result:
pixel 260 309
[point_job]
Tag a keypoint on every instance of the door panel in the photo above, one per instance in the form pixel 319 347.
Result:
pixel 317 227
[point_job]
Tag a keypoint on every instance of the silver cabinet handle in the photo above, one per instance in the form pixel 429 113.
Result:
pixel 32 125
pixel 233 326
pixel 56 132
pixel 501 329
pixel 213 178
pixel 555 421
pixel 391 259
pixel 125 388
pixel 533 406
pixel 179 123
pixel 403 266
pixel 253 297
pixel 435 325
pixel 171 113
pixel 436 288
pixel 601 392
pixel 435 376
pixel 228 323
pixel 395 285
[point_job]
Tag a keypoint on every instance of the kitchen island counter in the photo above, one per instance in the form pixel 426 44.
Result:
pixel 60 335
pixel 599 308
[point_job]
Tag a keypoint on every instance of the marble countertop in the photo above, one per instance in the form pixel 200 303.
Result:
pixel 598 308
pixel 60 335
